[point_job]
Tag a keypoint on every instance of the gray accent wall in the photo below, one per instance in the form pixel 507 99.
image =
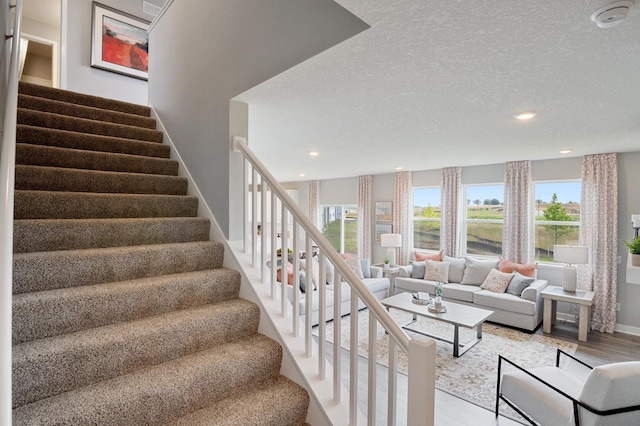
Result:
pixel 217 49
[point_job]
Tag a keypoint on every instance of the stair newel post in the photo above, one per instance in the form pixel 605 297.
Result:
pixel 422 379
pixel 254 217
pixel 263 235
pixel 273 233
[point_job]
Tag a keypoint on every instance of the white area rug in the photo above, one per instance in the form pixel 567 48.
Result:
pixel 471 377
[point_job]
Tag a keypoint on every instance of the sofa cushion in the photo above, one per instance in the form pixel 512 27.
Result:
pixel 428 256
pixel 354 264
pixel 456 268
pixel 455 292
pixel 365 266
pixel 475 271
pixel 518 283
pixel 526 269
pixel 417 270
pixel 329 271
pixel 496 281
pixel 504 302
pixel 436 271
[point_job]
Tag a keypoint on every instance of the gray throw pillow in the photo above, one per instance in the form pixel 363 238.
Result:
pixel 417 270
pixel 456 268
pixel 476 271
pixel 518 283
pixel 366 270
pixel 303 282
pixel 329 271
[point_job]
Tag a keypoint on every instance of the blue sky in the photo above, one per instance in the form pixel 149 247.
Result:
pixel 566 191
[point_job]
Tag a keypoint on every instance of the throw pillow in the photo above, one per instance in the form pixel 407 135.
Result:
pixel 354 264
pixel 518 283
pixel 289 274
pixel 456 268
pixel 315 270
pixel 417 270
pixel 303 282
pixel 329 271
pixel 476 271
pixel 526 269
pixel 428 256
pixel 436 271
pixel 496 281
pixel 366 270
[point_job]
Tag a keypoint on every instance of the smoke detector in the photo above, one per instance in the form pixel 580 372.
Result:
pixel 611 14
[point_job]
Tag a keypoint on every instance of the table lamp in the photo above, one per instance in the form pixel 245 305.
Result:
pixel 391 241
pixel 571 255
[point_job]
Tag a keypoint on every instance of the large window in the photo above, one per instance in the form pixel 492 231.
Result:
pixel 484 218
pixel 557 216
pixel 426 218
pixel 340 227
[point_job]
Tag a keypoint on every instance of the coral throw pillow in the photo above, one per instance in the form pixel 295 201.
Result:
pixel 289 274
pixel 436 271
pixel 526 269
pixel 496 281
pixel 428 256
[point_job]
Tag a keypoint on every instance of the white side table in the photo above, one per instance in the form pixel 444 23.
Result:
pixel 551 295
pixel 391 272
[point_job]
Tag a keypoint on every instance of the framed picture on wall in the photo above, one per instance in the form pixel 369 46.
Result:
pixel 382 228
pixel 383 211
pixel 119 42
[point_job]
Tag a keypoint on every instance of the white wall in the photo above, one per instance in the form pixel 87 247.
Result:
pixel 344 191
pixel 226 47
pixel 76 39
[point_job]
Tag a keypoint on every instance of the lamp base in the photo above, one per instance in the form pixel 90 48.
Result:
pixel 391 254
pixel 570 278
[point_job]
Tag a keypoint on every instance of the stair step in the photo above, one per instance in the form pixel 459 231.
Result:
pixel 51 313
pixel 83 125
pixel 35 135
pixel 81 111
pixel 162 393
pixel 31 235
pixel 83 99
pixel 40 155
pixel 47 367
pixel 255 407
pixel 73 268
pixel 44 178
pixel 85 205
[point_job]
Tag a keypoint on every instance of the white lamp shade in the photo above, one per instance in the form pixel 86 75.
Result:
pixel 391 240
pixel 635 220
pixel 573 255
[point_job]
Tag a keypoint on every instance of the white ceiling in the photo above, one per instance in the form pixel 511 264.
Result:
pixel 436 83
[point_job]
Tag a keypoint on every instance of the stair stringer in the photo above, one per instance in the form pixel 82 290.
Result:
pixel 300 370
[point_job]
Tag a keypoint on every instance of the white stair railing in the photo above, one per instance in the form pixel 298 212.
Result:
pixel 420 352
pixel 7 170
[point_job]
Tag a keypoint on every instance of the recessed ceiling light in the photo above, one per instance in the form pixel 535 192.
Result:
pixel 399 168
pixel 565 151
pixel 301 175
pixel 314 153
pixel 525 115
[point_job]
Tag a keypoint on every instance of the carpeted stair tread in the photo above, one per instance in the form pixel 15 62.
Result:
pixel 82 111
pixel 255 407
pixel 51 313
pixel 31 235
pixel 83 99
pixel 44 178
pixel 40 155
pixel 83 125
pixel 69 139
pixel 72 268
pixel 85 205
pixel 47 367
pixel 163 393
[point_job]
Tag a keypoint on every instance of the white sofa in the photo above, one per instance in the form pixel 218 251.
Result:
pixel 377 285
pixel 524 312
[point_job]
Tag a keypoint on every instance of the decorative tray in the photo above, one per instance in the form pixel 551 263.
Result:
pixel 432 308
pixel 420 298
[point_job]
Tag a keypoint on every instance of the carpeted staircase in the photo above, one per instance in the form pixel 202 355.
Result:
pixel 122 311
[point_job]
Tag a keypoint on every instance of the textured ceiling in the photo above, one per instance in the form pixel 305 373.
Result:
pixel 436 83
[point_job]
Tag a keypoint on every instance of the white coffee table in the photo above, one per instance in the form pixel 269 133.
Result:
pixel 458 315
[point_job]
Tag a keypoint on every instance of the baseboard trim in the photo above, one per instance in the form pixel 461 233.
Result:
pixel 627 329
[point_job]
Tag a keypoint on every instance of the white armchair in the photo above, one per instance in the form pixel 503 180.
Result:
pixel 607 395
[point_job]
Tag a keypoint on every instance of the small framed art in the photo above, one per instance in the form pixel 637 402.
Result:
pixel 383 211
pixel 119 42
pixel 382 228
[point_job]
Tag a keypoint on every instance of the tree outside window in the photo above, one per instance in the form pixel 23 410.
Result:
pixel 426 218
pixel 557 216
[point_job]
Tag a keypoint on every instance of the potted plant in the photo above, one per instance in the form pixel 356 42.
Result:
pixel 386 262
pixel 634 250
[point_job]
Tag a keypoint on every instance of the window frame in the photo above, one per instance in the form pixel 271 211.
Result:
pixel 426 219
pixel 465 221
pixel 343 215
